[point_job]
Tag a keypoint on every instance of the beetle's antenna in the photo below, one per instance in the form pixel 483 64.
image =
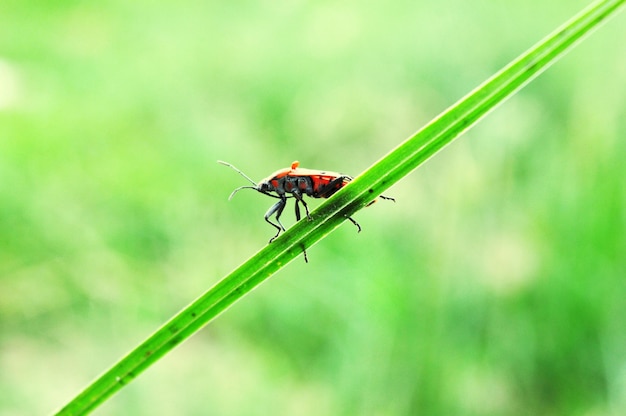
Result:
pixel 240 188
pixel 241 173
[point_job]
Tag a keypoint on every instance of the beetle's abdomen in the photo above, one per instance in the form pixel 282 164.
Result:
pixel 326 186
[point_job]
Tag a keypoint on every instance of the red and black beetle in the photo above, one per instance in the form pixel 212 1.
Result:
pixel 295 182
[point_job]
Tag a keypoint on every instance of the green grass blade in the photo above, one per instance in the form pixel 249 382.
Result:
pixel 332 213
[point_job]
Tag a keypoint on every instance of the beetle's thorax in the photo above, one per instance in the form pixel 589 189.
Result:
pixel 287 184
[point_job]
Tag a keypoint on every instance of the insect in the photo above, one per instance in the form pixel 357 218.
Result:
pixel 295 182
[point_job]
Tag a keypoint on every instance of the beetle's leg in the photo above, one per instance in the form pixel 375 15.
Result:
pixel 306 208
pixel 278 209
pixel 355 223
pixel 299 198
pixel 306 259
pixel 297 210
pixel 388 198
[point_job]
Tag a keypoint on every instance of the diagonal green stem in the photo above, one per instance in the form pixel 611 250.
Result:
pixel 384 173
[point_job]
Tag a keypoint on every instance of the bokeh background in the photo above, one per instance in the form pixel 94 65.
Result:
pixel 495 285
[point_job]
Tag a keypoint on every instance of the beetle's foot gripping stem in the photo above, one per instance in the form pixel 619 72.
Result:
pixel 355 223
pixel 273 238
pixel 278 209
pixel 388 198
pixel 279 227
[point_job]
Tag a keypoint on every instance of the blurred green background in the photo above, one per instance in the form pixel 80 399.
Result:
pixel 494 286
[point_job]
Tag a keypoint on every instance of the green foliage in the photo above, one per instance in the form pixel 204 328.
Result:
pixel 499 297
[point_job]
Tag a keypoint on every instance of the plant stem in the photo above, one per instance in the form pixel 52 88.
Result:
pixel 384 173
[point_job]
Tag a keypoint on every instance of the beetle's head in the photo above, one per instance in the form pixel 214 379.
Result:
pixel 265 187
